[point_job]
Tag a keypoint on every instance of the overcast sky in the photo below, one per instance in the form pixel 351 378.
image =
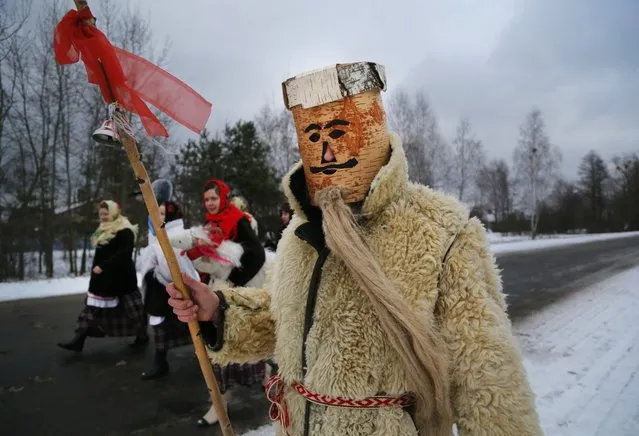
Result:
pixel 577 60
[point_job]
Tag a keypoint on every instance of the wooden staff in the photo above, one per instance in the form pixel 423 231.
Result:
pixel 152 207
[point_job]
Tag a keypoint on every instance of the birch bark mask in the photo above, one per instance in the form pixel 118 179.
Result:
pixel 341 126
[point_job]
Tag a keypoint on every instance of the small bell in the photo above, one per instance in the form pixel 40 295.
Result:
pixel 106 134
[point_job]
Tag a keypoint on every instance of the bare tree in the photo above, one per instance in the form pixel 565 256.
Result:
pixel 403 120
pixel 536 163
pixel 277 130
pixel 415 122
pixel 438 151
pixel 12 19
pixel 130 30
pixel 469 157
pixel 70 95
pixel 35 124
pixel 567 206
pixel 105 171
pixel 48 162
pixel 626 191
pixel 494 183
pixel 593 175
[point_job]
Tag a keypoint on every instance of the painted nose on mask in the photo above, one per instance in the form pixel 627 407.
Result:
pixel 328 154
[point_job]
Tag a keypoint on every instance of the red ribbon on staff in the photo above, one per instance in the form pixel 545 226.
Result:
pixel 126 78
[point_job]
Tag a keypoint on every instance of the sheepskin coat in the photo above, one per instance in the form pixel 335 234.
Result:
pixel 440 260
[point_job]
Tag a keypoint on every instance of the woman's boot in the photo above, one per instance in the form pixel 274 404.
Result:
pixel 77 343
pixel 160 366
pixel 211 417
pixel 141 338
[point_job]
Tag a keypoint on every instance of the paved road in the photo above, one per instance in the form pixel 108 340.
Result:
pixel 535 279
pixel 46 391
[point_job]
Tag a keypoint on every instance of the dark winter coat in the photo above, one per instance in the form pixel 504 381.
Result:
pixel 156 299
pixel 118 275
pixel 253 258
pixel 272 242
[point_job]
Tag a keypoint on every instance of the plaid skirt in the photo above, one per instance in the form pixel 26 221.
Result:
pixel 247 374
pixel 171 333
pixel 123 320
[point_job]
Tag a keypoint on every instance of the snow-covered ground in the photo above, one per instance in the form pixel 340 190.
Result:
pixel 61 266
pixel 509 244
pixel 45 288
pixel 582 358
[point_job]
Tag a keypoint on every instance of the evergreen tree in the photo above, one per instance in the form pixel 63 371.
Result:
pixel 249 171
pixel 198 162
pixel 239 158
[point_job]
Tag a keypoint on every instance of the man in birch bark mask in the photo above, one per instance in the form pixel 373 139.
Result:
pixel 384 309
pixel 341 129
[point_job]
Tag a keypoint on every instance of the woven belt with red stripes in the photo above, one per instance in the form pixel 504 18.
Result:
pixel 278 412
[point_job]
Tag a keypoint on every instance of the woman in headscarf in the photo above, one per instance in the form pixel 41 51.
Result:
pixel 224 221
pixel 168 332
pixel 113 305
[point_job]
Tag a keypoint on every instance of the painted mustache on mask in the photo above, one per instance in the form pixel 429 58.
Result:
pixel 332 168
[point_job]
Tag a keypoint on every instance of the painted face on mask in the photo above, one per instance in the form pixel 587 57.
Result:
pixel 343 142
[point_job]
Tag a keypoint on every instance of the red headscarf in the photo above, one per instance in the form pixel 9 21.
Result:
pixel 227 215
pixel 222 225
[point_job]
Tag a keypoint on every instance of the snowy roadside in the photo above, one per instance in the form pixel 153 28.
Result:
pixel 582 358
pixel 499 246
pixel 45 288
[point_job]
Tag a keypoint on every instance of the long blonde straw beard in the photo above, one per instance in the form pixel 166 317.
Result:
pixel 410 332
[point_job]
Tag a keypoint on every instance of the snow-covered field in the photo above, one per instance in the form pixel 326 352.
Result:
pixel 582 358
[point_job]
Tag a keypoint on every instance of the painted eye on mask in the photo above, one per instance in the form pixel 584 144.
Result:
pixel 314 137
pixel 336 134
